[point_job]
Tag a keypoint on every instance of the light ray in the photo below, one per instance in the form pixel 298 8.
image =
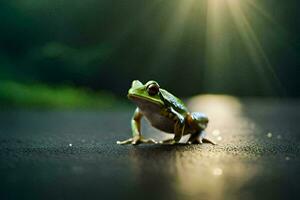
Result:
pixel 172 35
pixel 215 43
pixel 261 63
pixel 262 12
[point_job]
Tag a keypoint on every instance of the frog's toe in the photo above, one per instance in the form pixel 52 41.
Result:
pixel 149 141
pixel 200 140
pixel 137 140
pixel 129 141
pixel 195 141
pixel 144 141
pixel 168 141
pixel 165 141
pixel 206 140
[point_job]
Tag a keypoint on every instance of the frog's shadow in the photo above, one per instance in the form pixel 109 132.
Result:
pixel 162 154
pixel 163 148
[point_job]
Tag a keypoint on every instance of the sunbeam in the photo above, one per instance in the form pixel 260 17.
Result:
pixel 172 35
pixel 216 43
pixel 230 35
pixel 227 23
pixel 254 48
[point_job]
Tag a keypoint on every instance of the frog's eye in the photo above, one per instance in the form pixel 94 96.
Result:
pixel 153 89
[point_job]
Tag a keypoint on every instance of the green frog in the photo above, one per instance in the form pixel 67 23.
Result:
pixel 165 112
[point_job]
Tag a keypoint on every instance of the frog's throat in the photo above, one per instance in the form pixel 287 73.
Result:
pixel 137 97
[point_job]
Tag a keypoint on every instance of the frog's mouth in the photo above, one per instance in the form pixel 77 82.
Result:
pixel 141 99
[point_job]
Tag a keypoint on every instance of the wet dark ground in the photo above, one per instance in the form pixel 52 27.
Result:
pixel 73 155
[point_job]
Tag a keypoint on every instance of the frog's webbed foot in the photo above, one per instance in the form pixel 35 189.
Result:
pixel 137 140
pixel 168 141
pixel 199 139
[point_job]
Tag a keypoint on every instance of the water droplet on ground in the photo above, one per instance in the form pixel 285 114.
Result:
pixel 216 132
pixel 287 158
pixel 269 135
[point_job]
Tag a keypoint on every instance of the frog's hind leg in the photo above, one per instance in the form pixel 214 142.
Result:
pixel 199 120
pixel 199 138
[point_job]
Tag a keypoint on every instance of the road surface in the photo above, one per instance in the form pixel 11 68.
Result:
pixel 73 154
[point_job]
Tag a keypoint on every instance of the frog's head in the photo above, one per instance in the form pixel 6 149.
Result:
pixel 141 93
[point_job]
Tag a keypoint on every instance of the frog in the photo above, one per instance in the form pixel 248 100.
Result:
pixel 166 113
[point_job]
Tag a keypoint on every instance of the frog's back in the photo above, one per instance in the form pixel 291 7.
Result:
pixel 173 102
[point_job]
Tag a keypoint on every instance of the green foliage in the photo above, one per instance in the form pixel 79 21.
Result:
pixel 246 48
pixel 13 94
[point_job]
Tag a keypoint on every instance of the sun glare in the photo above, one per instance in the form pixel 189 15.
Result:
pixel 222 13
pixel 233 28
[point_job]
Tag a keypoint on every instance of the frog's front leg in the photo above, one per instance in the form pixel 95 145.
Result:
pixel 136 131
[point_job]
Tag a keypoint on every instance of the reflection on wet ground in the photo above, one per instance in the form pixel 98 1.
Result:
pixel 189 174
pixel 73 154
pixel 242 156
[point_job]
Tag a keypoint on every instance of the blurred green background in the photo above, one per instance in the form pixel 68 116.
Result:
pixel 74 53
